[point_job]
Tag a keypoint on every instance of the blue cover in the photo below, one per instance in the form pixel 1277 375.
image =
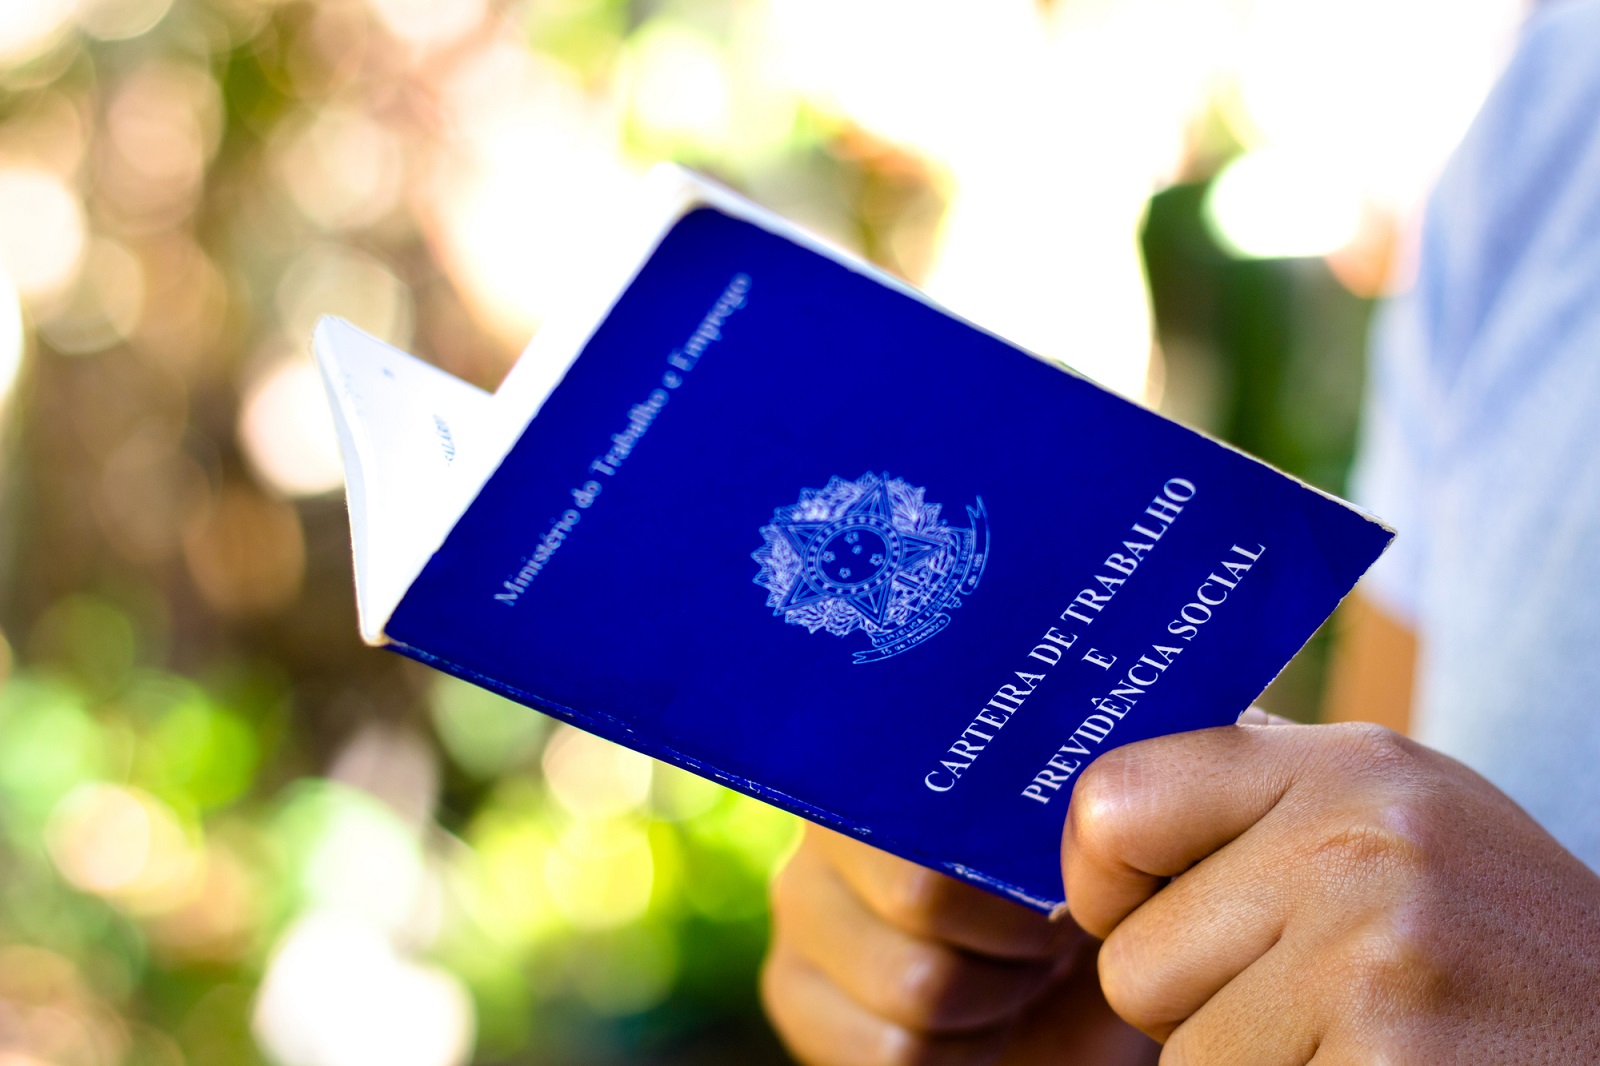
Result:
pixel 800 532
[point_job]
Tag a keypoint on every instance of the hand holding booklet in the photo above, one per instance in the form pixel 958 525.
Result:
pixel 767 513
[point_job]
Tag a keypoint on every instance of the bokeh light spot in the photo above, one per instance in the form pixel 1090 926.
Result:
pixel 121 843
pixel 512 845
pixel 680 92
pixel 120 20
pixel 342 169
pixel 287 431
pixel 49 745
pixel 601 874
pixel 594 778
pixel 105 303
pixel 202 753
pixel 353 853
pixel 484 733
pixel 1277 204
pixel 677 794
pixel 246 553
pixel 100 838
pixel 337 993
pixel 87 639
pixel 192 297
pixel 332 279
pixel 428 23
pixel 29 27
pixel 149 490
pixel 44 233
pixel 164 122
pixel 522 231
pixel 629 971
pixel 13 338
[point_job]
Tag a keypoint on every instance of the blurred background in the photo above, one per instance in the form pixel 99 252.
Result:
pixel 229 834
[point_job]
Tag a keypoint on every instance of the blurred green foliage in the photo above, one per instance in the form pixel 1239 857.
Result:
pixel 196 753
pixel 1267 355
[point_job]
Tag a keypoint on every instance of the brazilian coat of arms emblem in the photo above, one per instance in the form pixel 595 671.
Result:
pixel 871 555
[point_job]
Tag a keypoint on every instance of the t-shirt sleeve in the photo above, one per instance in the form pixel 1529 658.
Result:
pixel 1426 366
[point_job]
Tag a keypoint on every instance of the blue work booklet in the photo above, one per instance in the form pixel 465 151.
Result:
pixel 762 511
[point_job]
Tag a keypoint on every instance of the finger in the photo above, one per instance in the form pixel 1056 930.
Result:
pixel 1206 927
pixel 926 903
pixel 918 983
pixel 1262 1017
pixel 1148 811
pixel 1073 1024
pixel 823 1027
pixel 1218 918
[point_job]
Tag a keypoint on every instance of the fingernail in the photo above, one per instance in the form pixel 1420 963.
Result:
pixel 1255 716
pixel 1060 913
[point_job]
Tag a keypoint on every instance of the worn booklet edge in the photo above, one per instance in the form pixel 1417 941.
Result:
pixel 399 519
pixel 403 501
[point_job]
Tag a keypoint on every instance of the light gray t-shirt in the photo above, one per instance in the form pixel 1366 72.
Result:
pixel 1482 438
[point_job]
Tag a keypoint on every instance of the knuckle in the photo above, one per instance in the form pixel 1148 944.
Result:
pixel 926 986
pixel 1100 783
pixel 917 898
pixel 1173 1054
pixel 1395 968
pixel 1184 1048
pixel 776 981
pixel 781 894
pixel 770 984
pixel 777 885
pixel 1127 991
pixel 1099 801
pixel 898 1046
pixel 1121 989
pixel 1376 749
pixel 1385 837
pixel 803 1023
pixel 1383 843
pixel 1391 1048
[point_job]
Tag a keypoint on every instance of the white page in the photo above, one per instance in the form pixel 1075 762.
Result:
pixel 413 439
pixel 418 444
